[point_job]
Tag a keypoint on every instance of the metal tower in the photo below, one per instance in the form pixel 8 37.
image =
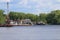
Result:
pixel 7 7
pixel 8 19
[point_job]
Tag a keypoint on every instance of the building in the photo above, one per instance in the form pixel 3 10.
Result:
pixel 21 22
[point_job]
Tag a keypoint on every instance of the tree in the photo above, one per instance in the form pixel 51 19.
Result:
pixel 16 15
pixel 32 17
pixel 2 17
pixel 54 17
pixel 42 17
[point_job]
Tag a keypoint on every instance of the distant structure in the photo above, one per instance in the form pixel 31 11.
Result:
pixel 7 16
pixel 7 7
pixel 21 22
pixel 7 10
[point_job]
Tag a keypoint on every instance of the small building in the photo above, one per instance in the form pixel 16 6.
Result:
pixel 26 21
pixel 23 21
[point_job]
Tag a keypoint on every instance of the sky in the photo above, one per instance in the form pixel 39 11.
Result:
pixel 31 6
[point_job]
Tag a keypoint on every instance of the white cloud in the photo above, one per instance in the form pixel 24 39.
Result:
pixel 41 5
pixel 37 5
pixel 57 0
pixel 23 2
pixel 6 0
pixel 38 2
pixel 55 7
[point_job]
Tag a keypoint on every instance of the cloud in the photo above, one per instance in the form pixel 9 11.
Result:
pixel 35 6
pixel 57 0
pixel 40 5
pixel 56 7
pixel 23 2
pixel 36 3
pixel 6 0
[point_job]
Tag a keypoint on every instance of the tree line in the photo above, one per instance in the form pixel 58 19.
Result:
pixel 49 18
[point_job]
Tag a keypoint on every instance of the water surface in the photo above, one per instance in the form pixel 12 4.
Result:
pixel 43 32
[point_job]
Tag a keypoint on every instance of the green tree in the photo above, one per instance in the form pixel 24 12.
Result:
pixel 54 17
pixel 42 17
pixel 21 15
pixel 32 17
pixel 2 17
pixel 16 15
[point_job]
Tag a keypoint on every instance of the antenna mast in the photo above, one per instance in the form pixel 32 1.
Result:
pixel 7 7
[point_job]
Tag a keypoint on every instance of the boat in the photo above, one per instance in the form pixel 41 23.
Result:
pixel 5 25
pixel 24 24
pixel 40 23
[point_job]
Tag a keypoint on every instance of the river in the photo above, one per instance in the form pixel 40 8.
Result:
pixel 42 32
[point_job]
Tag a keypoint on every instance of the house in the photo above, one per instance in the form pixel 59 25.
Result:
pixel 13 22
pixel 26 21
pixel 21 22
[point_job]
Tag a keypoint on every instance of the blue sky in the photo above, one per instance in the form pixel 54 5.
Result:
pixel 31 6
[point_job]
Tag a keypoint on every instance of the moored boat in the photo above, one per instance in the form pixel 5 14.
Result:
pixel 40 23
pixel 5 25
